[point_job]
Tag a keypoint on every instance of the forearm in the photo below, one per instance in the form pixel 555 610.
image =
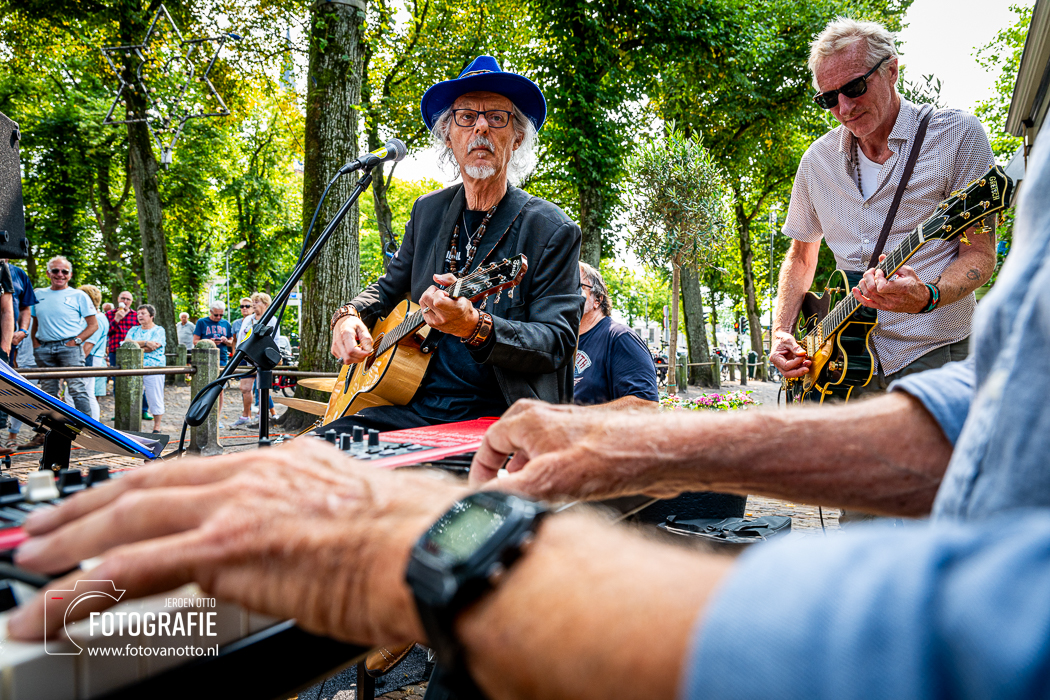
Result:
pixel 628 403
pixel 796 277
pixel 7 323
pixel 523 641
pixel 970 270
pixel 885 455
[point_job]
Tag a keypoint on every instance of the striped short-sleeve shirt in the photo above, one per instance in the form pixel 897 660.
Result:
pixel 826 202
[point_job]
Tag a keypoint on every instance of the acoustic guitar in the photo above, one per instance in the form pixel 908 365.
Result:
pixel 837 338
pixel 395 369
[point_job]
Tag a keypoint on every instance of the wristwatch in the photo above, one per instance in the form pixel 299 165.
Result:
pixel 78 340
pixel 460 558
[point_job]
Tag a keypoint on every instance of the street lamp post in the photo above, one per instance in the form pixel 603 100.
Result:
pixel 772 232
pixel 235 246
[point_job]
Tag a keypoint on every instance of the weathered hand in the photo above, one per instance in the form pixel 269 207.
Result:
pixel 904 292
pixel 300 531
pixel 456 317
pixel 70 344
pixel 564 452
pixel 351 341
pixel 788 356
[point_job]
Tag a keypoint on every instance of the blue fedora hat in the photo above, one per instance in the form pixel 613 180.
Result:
pixel 484 74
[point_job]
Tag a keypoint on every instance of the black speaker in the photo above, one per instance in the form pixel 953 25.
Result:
pixel 13 243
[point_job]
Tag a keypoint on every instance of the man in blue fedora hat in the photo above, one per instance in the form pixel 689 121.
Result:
pixel 484 125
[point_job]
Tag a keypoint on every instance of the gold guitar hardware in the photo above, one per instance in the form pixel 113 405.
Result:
pixel 835 366
pixel 964 239
pixel 835 290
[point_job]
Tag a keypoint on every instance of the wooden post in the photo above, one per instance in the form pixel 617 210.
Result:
pixel 682 371
pixel 732 370
pixel 127 391
pixel 716 365
pixel 743 370
pixel 180 361
pixel 204 439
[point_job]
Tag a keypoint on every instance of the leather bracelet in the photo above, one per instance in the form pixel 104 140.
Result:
pixel 935 298
pixel 343 311
pixel 481 332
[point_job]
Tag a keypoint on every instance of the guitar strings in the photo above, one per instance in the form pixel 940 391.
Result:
pixel 415 319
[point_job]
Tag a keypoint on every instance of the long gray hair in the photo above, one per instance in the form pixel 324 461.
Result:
pixel 522 162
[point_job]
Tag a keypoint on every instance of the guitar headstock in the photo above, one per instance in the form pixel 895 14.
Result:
pixel 986 196
pixel 491 279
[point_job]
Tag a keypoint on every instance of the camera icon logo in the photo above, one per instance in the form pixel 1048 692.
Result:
pixel 63 603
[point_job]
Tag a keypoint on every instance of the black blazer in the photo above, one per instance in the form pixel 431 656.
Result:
pixel 535 332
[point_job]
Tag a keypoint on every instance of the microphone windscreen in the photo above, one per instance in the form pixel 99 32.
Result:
pixel 398 146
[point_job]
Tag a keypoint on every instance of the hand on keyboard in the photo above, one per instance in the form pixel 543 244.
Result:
pixel 299 531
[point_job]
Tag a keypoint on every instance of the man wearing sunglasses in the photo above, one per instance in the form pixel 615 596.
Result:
pixel 63 319
pixel 843 192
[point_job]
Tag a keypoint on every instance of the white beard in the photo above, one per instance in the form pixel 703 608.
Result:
pixel 480 172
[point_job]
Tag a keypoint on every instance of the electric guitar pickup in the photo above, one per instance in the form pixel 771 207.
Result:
pixel 837 338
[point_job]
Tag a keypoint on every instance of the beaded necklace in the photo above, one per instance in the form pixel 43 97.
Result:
pixel 472 242
pixel 856 166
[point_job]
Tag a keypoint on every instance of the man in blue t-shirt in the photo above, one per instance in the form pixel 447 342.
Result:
pixel 216 329
pixel 63 319
pixel 613 366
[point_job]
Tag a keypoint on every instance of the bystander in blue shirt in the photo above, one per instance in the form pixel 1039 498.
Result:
pixel 153 358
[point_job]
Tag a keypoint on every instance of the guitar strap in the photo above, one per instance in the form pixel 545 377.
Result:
pixel 913 156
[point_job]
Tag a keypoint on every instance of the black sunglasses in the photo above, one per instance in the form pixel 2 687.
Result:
pixel 246 306
pixel 56 271
pixel 852 89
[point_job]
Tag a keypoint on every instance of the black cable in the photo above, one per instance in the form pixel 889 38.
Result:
pixel 221 380
pixel 821 512
pixel 306 241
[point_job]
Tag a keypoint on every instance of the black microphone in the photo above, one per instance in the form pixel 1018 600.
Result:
pixel 394 150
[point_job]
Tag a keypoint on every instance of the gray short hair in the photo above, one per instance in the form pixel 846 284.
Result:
pixel 598 289
pixel 218 305
pixel 842 33
pixel 62 258
pixel 522 163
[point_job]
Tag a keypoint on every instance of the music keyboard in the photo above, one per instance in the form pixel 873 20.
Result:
pixel 259 656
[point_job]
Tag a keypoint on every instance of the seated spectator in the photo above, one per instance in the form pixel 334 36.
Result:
pixel 613 366
pixel 95 348
pixel 184 330
pixel 152 339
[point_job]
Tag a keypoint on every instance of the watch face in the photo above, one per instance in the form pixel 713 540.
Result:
pixel 463 530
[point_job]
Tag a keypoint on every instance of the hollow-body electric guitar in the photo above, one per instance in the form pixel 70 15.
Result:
pixel 835 330
pixel 393 372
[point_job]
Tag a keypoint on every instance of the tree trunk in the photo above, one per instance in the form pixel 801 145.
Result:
pixel 333 94
pixel 746 261
pixel 696 333
pixel 672 351
pixel 143 171
pixel 714 319
pixel 591 205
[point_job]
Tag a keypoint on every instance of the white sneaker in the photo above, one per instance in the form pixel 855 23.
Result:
pixel 243 420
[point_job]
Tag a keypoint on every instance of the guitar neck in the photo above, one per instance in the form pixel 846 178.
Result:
pixel 831 323
pixel 414 321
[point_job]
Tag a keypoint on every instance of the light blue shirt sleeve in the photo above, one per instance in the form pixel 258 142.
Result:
pixel 946 392
pixel 941 611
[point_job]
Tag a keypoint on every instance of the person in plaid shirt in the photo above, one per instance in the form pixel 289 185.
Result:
pixel 121 320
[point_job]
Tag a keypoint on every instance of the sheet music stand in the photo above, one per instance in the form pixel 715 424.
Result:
pixel 63 425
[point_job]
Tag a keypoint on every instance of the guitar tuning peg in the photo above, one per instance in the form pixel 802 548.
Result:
pixel 510 293
pixel 499 295
pixel 484 302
